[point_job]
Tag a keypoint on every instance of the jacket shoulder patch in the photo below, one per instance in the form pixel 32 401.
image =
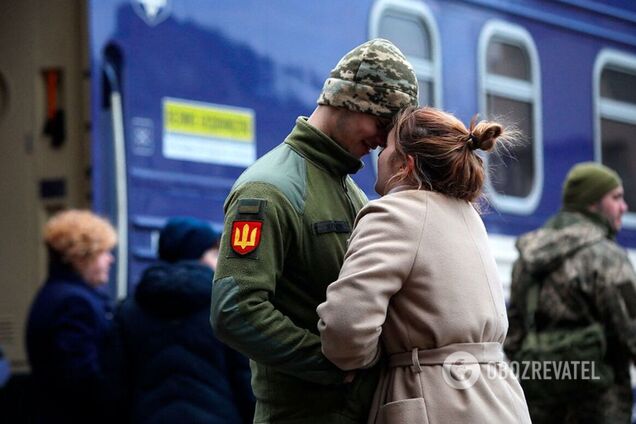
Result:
pixel 245 236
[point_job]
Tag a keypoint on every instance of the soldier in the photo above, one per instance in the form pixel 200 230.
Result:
pixel 584 278
pixel 287 220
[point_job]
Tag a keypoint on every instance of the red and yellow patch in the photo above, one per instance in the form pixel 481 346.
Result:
pixel 246 236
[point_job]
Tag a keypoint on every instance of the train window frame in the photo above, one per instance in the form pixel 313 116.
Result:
pixel 513 89
pixel 615 110
pixel 429 71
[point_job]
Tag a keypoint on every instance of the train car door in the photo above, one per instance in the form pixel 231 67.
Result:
pixel 44 145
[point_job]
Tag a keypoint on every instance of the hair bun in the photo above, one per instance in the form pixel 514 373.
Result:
pixel 473 142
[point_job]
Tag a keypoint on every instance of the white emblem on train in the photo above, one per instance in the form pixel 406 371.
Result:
pixel 153 12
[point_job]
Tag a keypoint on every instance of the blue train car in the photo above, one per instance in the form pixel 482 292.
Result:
pixel 188 93
pixel 152 108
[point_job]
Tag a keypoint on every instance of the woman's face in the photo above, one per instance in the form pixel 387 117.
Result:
pixel 95 270
pixel 388 165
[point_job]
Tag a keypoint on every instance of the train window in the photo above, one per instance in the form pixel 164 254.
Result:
pixel 407 32
pixel 510 92
pixel 508 60
pixel 618 85
pixel 412 28
pixel 615 90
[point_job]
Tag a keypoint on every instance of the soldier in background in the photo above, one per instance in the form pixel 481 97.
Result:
pixel 287 221
pixel 584 277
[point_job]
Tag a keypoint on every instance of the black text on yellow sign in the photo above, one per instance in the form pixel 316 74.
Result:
pixel 208 121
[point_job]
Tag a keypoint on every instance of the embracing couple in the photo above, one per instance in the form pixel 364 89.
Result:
pixel 354 311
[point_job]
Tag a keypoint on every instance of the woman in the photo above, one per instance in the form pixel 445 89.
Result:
pixel 70 317
pixel 167 365
pixel 419 282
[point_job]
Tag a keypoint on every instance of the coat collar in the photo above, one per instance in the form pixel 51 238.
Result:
pixel 318 148
pixel 402 187
pixel 566 218
pixel 60 272
pixel 175 289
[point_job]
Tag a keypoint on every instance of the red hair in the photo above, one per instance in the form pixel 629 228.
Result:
pixel 444 150
pixel 79 235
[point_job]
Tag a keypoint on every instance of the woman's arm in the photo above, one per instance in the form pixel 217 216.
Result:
pixel 379 260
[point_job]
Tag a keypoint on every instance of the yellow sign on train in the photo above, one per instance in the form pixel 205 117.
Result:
pixel 204 119
pixel 207 132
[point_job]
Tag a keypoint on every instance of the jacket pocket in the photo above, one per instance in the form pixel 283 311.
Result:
pixel 407 411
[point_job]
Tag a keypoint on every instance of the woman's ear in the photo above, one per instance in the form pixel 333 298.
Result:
pixel 409 166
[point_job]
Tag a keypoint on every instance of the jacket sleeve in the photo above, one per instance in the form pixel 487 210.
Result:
pixel 242 313
pixel 116 367
pixel 616 295
pixel 77 339
pixel 379 260
pixel 516 326
pixel 239 376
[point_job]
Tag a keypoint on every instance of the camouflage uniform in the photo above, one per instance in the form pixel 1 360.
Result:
pixel 586 277
pixel 300 204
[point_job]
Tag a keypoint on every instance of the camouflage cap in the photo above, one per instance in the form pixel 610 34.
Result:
pixel 586 184
pixel 373 78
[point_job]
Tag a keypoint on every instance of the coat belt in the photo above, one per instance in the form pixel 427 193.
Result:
pixel 466 353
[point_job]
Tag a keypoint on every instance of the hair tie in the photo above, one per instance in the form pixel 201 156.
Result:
pixel 473 142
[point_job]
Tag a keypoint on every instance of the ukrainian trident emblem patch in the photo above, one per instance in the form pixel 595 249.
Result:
pixel 246 236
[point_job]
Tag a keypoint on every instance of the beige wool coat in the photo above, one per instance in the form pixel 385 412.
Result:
pixel 419 284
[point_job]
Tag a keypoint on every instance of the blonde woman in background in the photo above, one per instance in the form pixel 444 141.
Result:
pixel 70 318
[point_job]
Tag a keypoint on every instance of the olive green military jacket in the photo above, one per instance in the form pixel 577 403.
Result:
pixel 585 277
pixel 287 221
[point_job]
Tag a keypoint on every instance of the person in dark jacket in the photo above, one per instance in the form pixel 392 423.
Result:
pixel 70 318
pixel 172 368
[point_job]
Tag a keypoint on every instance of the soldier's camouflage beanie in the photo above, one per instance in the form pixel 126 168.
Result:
pixel 586 184
pixel 373 78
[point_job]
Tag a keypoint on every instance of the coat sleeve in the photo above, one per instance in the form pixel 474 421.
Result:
pixel 382 249
pixel 78 342
pixel 117 367
pixel 242 313
pixel 516 326
pixel 77 339
pixel 239 376
pixel 615 295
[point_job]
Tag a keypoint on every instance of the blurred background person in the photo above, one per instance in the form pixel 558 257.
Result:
pixel 169 366
pixel 5 370
pixel 573 297
pixel 69 319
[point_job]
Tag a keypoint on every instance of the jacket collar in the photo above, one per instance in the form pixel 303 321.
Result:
pixel 61 272
pixel 175 289
pixel 566 217
pixel 318 148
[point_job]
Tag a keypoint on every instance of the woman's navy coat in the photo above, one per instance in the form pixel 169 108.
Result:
pixel 168 358
pixel 66 328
